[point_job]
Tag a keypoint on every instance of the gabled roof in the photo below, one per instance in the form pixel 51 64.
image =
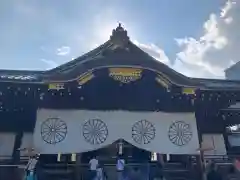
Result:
pixel 117 51
pixel 79 60
pixel 218 84
pixel 233 67
pixel 131 56
pixel 21 75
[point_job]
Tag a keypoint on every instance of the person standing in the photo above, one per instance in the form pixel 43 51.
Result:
pixel 93 165
pixel 101 174
pixel 31 168
pixel 135 174
pixel 237 164
pixel 120 167
pixel 213 174
pixel 232 174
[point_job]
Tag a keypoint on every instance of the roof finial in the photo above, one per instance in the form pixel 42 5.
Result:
pixel 119 35
pixel 119 24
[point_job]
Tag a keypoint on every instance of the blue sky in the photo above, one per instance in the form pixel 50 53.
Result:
pixel 187 35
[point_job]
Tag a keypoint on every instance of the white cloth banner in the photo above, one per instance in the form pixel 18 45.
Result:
pixel 234 140
pixel 6 144
pixel 215 143
pixel 27 142
pixel 76 131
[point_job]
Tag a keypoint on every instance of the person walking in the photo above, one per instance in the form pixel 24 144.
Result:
pixel 93 165
pixel 120 167
pixel 135 174
pixel 31 168
pixel 159 172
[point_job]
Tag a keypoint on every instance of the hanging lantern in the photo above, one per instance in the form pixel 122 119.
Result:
pixel 59 157
pixel 192 101
pixel 73 157
pixel 41 96
pixel 120 147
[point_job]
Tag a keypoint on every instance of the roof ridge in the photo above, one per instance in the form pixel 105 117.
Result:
pixel 234 66
pixel 77 60
pixel 162 64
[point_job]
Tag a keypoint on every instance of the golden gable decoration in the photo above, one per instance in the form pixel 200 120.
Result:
pixel 84 78
pixel 162 81
pixel 56 86
pixel 188 90
pixel 125 75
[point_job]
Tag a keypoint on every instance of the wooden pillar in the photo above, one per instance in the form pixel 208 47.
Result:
pixel 200 166
pixel 18 137
pixel 160 158
pixel 78 167
pixel 200 161
pixel 200 115
pixel 16 172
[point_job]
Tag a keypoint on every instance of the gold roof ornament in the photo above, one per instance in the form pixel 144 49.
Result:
pixel 119 36
pixel 84 78
pixel 163 82
pixel 56 86
pixel 125 75
pixel 188 90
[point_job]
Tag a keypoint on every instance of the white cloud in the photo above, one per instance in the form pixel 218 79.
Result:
pixel 204 56
pixel 50 63
pixel 210 54
pixel 216 49
pixel 63 51
pixel 154 51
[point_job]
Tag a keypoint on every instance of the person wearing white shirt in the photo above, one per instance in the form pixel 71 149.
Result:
pixel 93 165
pixel 31 168
pixel 120 168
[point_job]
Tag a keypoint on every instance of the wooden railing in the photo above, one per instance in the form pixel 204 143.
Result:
pixel 70 170
pixel 145 169
pixel 14 172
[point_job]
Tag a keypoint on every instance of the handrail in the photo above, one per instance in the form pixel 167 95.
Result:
pixel 110 164
pixel 10 165
pixel 224 158
pixel 83 165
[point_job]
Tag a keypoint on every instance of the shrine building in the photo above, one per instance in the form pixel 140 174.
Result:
pixel 115 93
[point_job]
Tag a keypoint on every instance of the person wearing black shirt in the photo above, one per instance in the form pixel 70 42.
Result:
pixel 232 174
pixel 213 174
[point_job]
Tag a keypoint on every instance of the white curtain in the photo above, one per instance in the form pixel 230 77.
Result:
pixel 234 139
pixel 27 142
pixel 75 131
pixel 6 144
pixel 216 143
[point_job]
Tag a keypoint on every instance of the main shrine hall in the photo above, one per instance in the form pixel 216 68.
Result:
pixel 115 93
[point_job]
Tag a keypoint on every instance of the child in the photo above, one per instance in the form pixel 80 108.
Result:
pixel 100 173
